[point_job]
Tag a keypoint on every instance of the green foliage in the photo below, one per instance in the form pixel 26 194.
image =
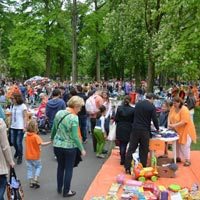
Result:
pixel 197 126
pixel 125 32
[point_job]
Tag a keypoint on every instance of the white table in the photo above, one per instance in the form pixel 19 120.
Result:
pixel 172 139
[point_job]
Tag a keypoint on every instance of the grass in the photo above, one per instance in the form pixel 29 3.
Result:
pixel 197 125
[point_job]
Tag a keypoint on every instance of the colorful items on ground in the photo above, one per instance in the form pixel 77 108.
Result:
pixel 137 190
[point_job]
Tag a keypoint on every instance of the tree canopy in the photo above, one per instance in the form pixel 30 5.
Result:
pixel 101 39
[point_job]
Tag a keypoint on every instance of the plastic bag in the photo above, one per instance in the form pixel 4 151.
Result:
pixel 14 188
pixel 112 132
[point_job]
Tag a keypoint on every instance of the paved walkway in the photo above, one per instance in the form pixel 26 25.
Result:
pixel 82 176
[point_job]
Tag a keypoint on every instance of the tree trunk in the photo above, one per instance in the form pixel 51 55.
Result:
pixel 152 27
pixel 98 76
pixel 48 48
pixel 61 67
pixel 48 61
pixel 97 65
pixel 137 76
pixel 151 70
pixel 74 42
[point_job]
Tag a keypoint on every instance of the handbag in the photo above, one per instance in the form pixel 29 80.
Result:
pixel 78 158
pixel 112 132
pixel 14 187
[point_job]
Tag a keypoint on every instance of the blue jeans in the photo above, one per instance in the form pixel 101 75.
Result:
pixel 3 182
pixel 16 139
pixel 33 168
pixel 83 126
pixel 66 160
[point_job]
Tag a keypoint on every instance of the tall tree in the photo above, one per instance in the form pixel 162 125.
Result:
pixel 74 41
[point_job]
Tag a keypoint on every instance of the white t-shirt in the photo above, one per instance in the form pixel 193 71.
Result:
pixel 17 120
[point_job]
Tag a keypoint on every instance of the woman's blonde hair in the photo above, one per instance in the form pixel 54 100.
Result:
pixel 75 101
pixel 32 126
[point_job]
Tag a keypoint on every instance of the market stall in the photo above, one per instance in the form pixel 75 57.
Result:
pixel 186 178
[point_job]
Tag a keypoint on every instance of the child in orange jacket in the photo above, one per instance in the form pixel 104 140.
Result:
pixel 33 144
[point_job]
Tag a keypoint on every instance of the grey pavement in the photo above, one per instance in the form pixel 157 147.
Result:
pixel 81 180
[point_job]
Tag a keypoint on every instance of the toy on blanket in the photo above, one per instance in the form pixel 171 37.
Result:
pixel 142 173
pixel 120 179
pixel 114 189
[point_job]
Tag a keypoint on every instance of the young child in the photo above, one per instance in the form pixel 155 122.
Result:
pixel 33 143
pixel 163 120
pixel 100 133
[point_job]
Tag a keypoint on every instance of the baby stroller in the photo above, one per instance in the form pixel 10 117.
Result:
pixel 43 125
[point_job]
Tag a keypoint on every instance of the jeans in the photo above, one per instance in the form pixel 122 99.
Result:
pixel 83 126
pixel 33 168
pixel 66 160
pixel 3 182
pixel 16 139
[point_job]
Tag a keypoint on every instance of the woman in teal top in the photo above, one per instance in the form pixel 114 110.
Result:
pixel 66 142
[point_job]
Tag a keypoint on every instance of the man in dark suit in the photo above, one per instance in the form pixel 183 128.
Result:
pixel 145 111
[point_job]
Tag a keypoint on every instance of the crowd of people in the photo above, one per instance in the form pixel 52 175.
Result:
pixel 72 112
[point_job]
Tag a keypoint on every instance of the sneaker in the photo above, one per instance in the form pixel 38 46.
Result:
pixel 69 194
pixel 31 183
pixel 104 151
pixel 100 156
pixel 36 184
pixel 15 155
pixel 85 141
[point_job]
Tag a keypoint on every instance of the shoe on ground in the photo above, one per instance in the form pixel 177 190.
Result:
pixel 85 141
pixel 104 151
pixel 187 163
pixel 36 184
pixel 19 160
pixel 15 155
pixel 100 156
pixel 121 162
pixel 178 160
pixel 128 171
pixel 59 191
pixel 31 183
pixel 69 194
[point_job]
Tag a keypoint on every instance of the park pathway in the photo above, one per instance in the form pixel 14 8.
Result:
pixel 82 176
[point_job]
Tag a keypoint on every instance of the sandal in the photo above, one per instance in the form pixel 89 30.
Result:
pixel 187 163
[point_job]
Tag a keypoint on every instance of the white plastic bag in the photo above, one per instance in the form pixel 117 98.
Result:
pixel 112 132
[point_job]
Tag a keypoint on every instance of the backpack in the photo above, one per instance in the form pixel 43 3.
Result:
pixel 90 105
